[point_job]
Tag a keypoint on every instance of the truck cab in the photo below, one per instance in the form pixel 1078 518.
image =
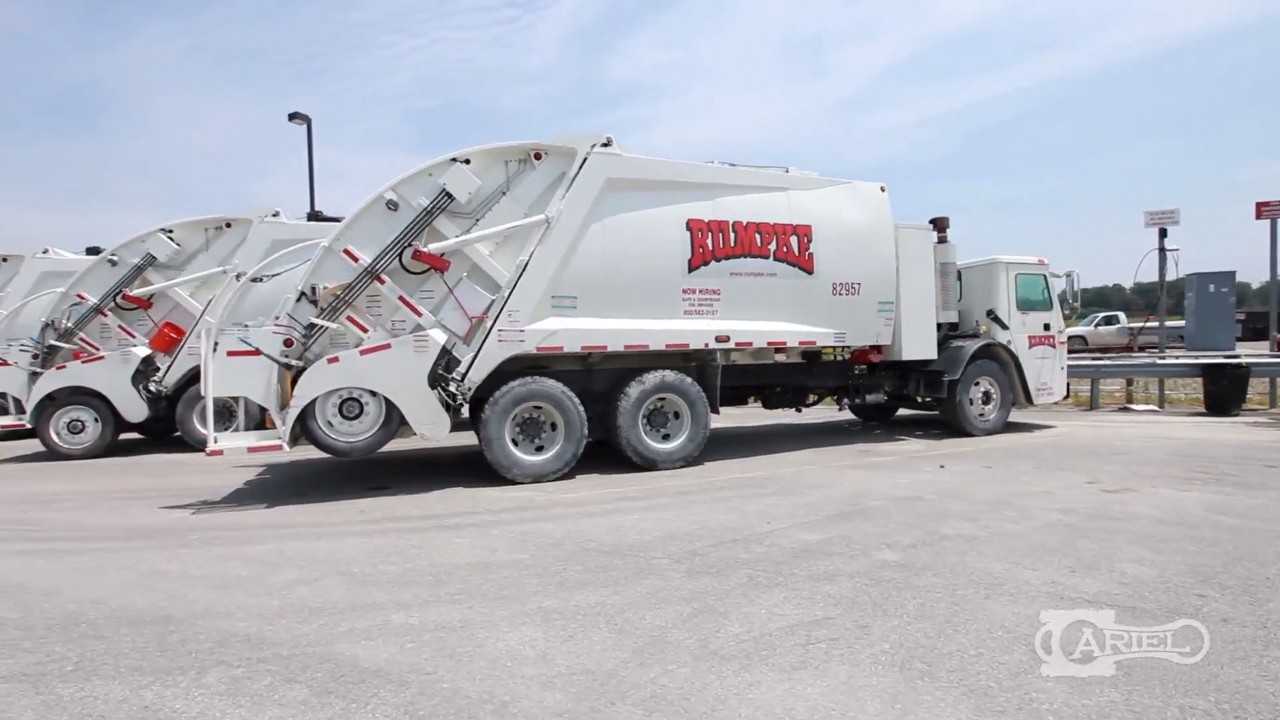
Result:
pixel 1013 298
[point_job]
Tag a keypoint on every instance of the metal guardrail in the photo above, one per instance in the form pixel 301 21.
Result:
pixel 1174 366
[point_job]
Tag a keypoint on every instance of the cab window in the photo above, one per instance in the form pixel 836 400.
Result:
pixel 1032 292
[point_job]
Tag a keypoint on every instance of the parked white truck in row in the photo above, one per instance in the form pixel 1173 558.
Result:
pixel 28 287
pixel 1113 329
pixel 564 291
pixel 117 348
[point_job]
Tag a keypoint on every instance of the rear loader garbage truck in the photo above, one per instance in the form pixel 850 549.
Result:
pixel 568 290
pixel 118 348
pixel 28 286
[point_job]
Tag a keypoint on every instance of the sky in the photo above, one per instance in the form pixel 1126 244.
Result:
pixel 1041 128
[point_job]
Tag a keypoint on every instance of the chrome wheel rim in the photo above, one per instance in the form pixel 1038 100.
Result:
pixel 984 399
pixel 75 427
pixel 226 415
pixel 535 431
pixel 350 414
pixel 665 421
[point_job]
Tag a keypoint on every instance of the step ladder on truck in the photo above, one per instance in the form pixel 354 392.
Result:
pixel 28 286
pixel 119 350
pixel 565 291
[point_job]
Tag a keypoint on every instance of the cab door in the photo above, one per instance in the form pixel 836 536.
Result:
pixel 1038 330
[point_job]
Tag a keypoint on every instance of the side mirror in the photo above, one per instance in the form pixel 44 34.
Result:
pixel 1071 280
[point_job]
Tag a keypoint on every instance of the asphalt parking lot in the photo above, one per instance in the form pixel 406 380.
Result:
pixel 810 568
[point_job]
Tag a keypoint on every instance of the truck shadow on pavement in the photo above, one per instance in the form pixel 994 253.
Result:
pixel 416 471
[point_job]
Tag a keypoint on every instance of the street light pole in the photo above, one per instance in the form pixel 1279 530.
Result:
pixel 303 119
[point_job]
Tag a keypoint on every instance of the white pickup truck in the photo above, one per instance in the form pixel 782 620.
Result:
pixel 1113 329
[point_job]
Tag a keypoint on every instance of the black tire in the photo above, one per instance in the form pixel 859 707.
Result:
pixel 100 415
pixel 880 413
pixel 313 428
pixel 157 428
pixel 184 417
pixel 960 413
pixel 628 419
pixel 543 395
pixel 1076 343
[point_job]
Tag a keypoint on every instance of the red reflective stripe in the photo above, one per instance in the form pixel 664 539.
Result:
pixel 742 344
pixel 351 255
pixel 60 367
pixel 594 348
pixel 374 348
pixel 213 452
pixel 677 346
pixel 90 344
pixel 264 448
pixel 410 305
pixel 777 343
pixel 358 325
pixel 127 331
pixel 243 353
pixel 381 279
pixel 13 426
pixel 331 360
pixel 808 342
pixel 93 359
pixel 549 348
pixel 635 347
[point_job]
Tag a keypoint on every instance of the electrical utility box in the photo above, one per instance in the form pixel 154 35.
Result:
pixel 1211 311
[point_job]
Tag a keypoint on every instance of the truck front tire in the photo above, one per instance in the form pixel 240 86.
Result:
pixel 189 417
pixel 77 427
pixel 661 420
pixel 532 430
pixel 980 400
pixel 350 422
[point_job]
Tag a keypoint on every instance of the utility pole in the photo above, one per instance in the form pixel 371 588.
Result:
pixel 1161 221
pixel 1269 210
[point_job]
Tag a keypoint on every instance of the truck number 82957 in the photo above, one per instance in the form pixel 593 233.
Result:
pixel 846 289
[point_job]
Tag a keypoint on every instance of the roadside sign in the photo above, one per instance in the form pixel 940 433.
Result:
pixel 1161 218
pixel 1266 210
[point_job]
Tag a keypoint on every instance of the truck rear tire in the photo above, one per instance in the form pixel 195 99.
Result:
pixel 189 417
pixel 980 400
pixel 661 420
pixel 880 413
pixel 350 422
pixel 77 427
pixel 532 430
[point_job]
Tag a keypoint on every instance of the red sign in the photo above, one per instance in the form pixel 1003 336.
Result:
pixel 1035 341
pixel 1266 210
pixel 713 241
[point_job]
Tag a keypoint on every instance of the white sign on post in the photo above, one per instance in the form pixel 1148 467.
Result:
pixel 1152 219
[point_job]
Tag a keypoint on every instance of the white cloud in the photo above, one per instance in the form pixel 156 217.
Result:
pixel 181 111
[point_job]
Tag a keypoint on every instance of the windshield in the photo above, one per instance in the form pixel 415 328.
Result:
pixel 1091 319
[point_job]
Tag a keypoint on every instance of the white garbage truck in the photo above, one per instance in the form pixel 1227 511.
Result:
pixel 118 348
pixel 28 286
pixel 564 291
